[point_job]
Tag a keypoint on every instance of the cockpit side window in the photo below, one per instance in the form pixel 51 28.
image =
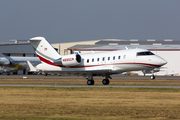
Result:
pixel 140 53
pixel 144 53
pixel 149 53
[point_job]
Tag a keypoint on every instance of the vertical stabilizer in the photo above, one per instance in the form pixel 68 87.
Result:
pixel 44 50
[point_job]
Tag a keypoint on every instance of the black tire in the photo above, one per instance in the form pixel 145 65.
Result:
pixel 105 81
pixel 90 82
pixel 108 81
pixel 152 77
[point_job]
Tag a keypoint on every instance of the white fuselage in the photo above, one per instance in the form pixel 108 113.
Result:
pixel 116 61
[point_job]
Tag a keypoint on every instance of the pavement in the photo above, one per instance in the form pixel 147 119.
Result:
pixel 133 77
pixel 86 86
pixel 100 86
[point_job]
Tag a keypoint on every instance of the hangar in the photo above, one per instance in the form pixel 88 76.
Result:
pixel 17 49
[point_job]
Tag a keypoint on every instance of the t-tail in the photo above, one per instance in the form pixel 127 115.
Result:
pixel 44 50
pixel 49 55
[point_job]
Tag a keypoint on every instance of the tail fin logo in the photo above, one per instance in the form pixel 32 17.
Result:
pixel 45 49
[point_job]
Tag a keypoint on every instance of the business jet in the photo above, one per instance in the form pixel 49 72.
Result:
pixel 93 64
pixel 14 63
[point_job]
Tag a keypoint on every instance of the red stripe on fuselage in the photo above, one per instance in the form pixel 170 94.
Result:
pixel 51 63
pixel 46 61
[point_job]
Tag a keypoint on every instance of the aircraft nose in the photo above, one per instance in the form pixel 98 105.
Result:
pixel 163 62
pixel 4 61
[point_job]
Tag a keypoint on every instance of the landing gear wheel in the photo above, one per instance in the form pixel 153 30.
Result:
pixel 105 81
pixel 90 82
pixel 152 77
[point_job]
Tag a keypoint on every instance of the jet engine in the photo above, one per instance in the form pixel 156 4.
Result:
pixel 4 61
pixel 69 60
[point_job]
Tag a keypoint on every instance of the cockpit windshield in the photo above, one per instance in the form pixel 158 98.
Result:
pixel 145 53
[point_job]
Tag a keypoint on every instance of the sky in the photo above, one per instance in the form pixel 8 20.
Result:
pixel 61 21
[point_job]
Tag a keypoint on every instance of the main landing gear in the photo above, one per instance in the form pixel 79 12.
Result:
pixel 90 80
pixel 105 81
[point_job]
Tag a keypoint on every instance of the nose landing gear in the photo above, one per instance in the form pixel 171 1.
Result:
pixel 152 77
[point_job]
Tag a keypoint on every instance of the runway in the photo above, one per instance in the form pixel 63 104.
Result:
pixel 133 77
pixel 115 77
pixel 87 86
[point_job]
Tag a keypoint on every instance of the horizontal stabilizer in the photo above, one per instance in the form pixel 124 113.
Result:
pixel 32 69
pixel 24 41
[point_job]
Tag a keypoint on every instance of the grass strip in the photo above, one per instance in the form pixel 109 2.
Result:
pixel 89 103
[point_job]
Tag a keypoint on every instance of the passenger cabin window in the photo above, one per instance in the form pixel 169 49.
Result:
pixel 113 57
pixel 124 56
pixel 108 58
pixel 103 59
pixel 119 57
pixel 144 53
pixel 87 60
pixel 93 60
pixel 98 59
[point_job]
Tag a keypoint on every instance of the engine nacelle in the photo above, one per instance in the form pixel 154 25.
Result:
pixel 4 61
pixel 69 60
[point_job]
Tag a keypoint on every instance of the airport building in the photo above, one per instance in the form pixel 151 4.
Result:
pixel 17 49
pixel 63 48
pixel 167 49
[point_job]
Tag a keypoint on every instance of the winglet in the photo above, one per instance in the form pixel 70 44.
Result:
pixel 32 69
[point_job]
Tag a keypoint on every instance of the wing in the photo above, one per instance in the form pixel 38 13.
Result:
pixel 82 73
pixel 73 72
